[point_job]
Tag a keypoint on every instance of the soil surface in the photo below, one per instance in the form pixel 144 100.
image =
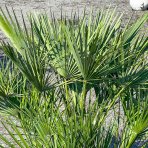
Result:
pixel 67 7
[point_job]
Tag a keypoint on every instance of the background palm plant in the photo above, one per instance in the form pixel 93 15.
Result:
pixel 137 118
pixel 59 62
pixel 12 84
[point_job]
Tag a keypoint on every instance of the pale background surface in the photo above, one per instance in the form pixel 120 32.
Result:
pixel 68 6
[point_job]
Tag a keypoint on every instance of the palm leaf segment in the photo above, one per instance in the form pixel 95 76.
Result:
pixel 87 48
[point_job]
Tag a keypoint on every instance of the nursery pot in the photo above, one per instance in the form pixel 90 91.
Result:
pixel 139 4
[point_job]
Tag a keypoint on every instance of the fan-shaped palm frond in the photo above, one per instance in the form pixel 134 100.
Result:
pixel 29 55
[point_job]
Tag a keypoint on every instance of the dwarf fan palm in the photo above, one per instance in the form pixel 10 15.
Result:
pixel 91 49
pixel 83 53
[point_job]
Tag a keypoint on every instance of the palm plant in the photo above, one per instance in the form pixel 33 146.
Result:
pixel 12 84
pixel 137 118
pixel 40 128
pixel 50 124
pixel 28 55
pixel 58 62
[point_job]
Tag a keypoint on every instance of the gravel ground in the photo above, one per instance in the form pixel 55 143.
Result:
pixel 68 6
